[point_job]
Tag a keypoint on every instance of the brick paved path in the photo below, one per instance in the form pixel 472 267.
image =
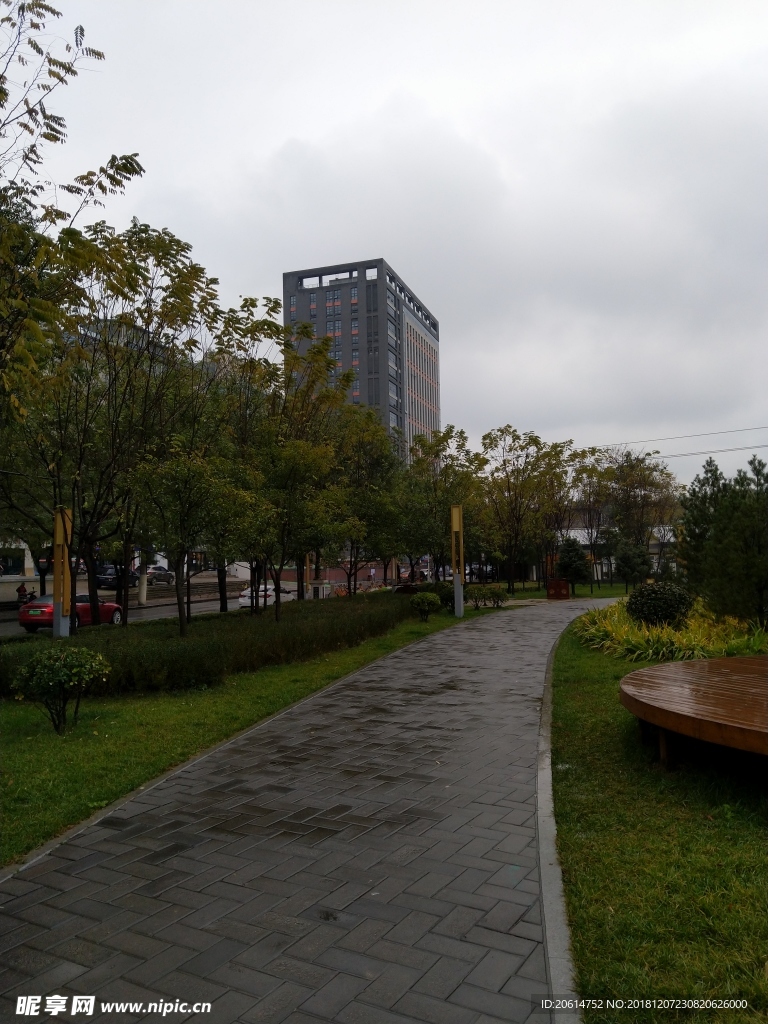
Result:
pixel 368 857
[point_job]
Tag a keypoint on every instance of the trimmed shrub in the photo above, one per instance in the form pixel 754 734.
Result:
pixel 151 656
pixel 478 595
pixel 56 675
pixel 659 604
pixel 446 595
pixel 425 604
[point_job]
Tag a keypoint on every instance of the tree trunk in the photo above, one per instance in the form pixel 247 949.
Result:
pixel 221 579
pixel 412 574
pixel 385 562
pixel 300 578
pixel 93 586
pixel 277 575
pixel 189 587
pixel 178 583
pixel 126 580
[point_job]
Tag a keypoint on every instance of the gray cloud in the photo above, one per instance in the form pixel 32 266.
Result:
pixel 576 191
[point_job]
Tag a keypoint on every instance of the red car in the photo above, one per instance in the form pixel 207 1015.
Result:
pixel 39 613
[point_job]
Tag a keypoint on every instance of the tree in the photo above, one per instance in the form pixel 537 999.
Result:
pixel 573 564
pixel 591 498
pixel 521 467
pixel 699 502
pixel 364 467
pixel 637 484
pixel 38 269
pixel 735 552
pixel 295 449
pixel 633 563
pixel 444 471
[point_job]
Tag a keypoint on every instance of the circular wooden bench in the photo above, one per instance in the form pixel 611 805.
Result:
pixel 720 700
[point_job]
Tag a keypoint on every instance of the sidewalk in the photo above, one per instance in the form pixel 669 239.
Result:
pixel 369 856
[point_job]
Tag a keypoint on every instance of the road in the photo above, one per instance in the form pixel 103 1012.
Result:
pixel 162 611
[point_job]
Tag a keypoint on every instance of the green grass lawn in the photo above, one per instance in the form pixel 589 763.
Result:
pixel 49 782
pixel 666 873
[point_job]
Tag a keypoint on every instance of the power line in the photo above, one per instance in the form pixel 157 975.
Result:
pixel 713 451
pixel 681 437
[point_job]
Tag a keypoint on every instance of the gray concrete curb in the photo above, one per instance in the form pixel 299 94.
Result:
pixel 557 936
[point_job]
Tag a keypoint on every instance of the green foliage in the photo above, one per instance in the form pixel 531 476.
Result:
pixel 699 504
pixel 425 604
pixel 614 632
pixel 55 676
pixel 659 604
pixel 483 596
pixel 151 656
pixel 633 563
pixel 735 559
pixel 572 563
pixel 446 594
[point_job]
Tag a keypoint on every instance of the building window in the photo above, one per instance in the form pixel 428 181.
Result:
pixel 293 316
pixel 390 298
pixel 353 293
pixel 392 360
pixel 313 314
pixel 391 330
pixel 372 298
pixel 293 300
pixel 371 273
pixel 338 326
pixel 312 298
pixel 354 326
pixel 394 391
pixel 393 419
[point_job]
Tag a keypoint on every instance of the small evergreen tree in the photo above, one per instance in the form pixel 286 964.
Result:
pixel 633 563
pixel 572 563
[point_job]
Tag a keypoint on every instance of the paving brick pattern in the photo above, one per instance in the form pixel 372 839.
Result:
pixel 368 857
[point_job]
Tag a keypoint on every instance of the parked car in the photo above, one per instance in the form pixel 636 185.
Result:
pixel 108 577
pixel 157 574
pixel 285 595
pixel 39 613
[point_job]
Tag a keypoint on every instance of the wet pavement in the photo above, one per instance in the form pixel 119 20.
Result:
pixel 369 857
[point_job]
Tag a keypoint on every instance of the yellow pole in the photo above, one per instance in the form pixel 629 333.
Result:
pixel 457 557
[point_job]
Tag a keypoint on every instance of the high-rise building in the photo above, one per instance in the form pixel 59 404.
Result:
pixel 381 330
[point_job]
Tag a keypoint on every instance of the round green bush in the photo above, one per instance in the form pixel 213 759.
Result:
pixel 57 675
pixel 425 604
pixel 659 604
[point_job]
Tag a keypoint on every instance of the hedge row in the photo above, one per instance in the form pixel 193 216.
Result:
pixel 151 656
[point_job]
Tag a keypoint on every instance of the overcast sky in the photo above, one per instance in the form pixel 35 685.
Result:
pixel 576 189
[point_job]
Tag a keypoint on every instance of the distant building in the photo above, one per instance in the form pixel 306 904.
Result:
pixel 382 331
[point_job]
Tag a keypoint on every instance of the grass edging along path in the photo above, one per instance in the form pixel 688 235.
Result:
pixel 49 783
pixel 665 873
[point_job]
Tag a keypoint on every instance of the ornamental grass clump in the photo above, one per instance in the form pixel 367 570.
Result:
pixel 425 604
pixel 659 604
pixel 57 675
pixel 614 632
